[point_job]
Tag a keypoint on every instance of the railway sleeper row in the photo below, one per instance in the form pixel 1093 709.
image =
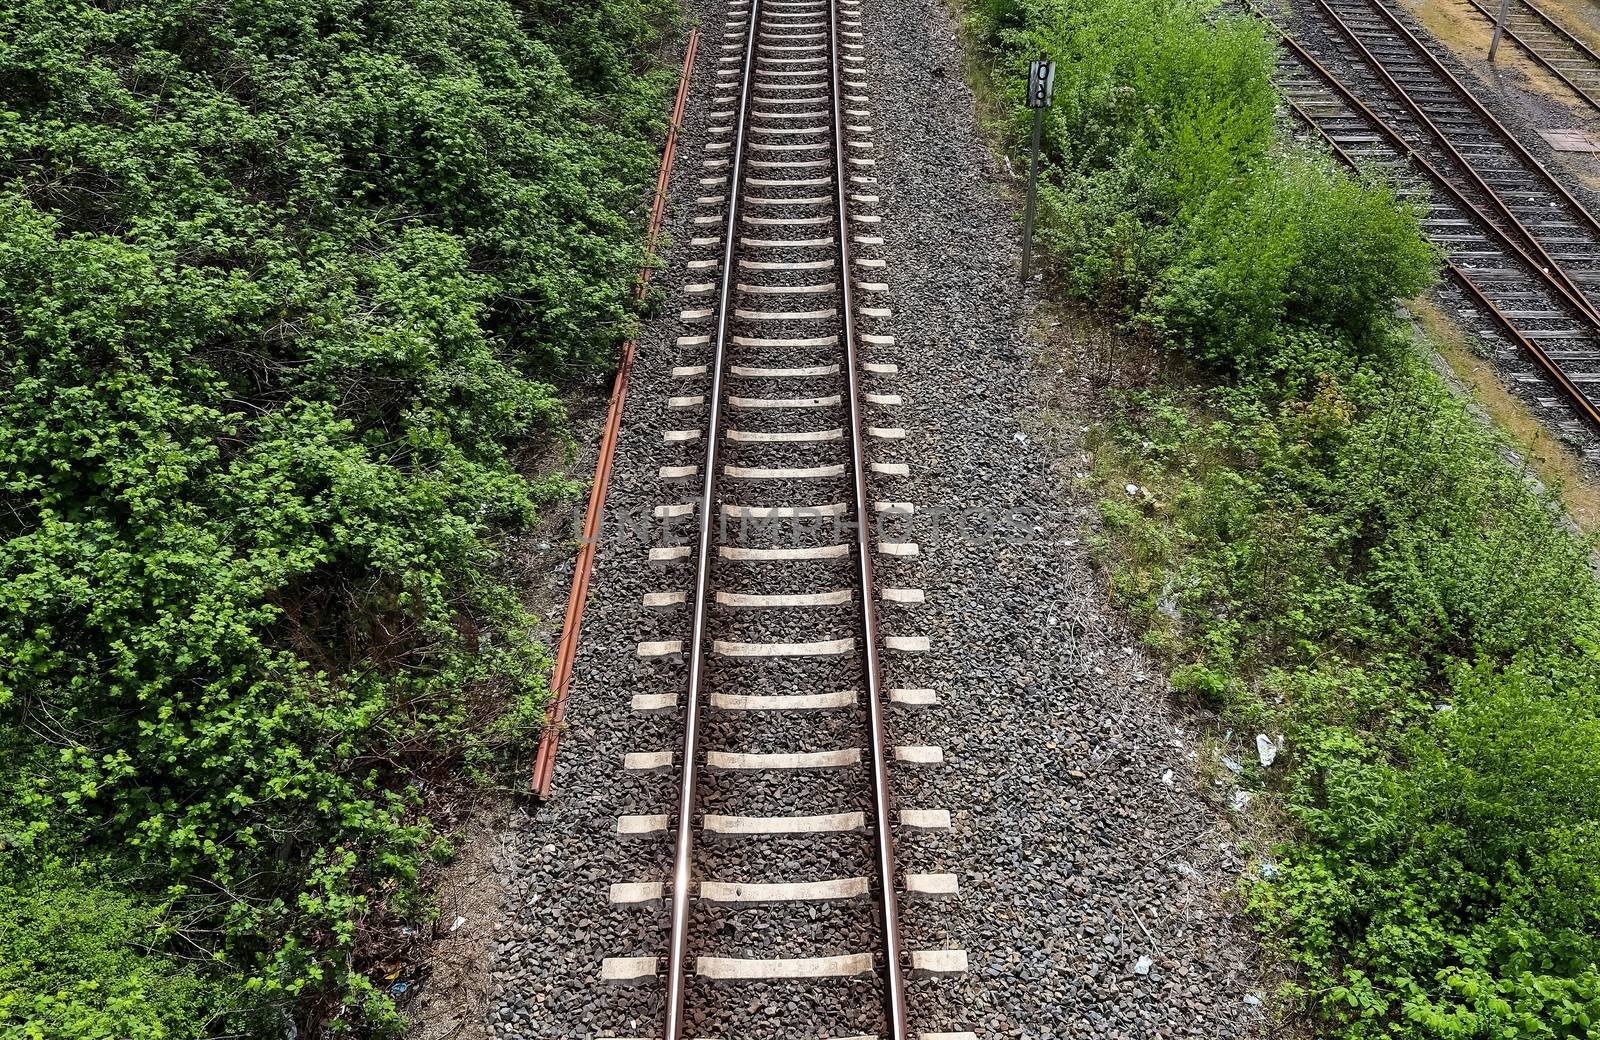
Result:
pixel 784 887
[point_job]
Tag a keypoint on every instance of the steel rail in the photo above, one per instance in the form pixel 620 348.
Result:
pixel 1543 266
pixel 1514 146
pixel 894 980
pixel 683 852
pixel 544 763
pixel 1533 52
pixel 1584 406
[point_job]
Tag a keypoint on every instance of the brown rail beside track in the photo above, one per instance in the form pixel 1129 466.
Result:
pixel 544 763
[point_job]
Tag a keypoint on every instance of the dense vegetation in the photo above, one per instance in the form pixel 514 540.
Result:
pixel 286 289
pixel 1325 542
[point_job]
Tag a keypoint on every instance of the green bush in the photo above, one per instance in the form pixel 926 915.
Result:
pixel 1372 513
pixel 1144 83
pixel 1458 894
pixel 286 289
pixel 1358 569
pixel 1155 112
pixel 1298 242
pixel 76 962
pixel 1169 192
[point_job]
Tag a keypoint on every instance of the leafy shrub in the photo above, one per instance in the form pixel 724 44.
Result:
pixel 1299 241
pixel 284 290
pixel 1460 893
pixel 75 964
pixel 1154 112
pixel 1187 101
pixel 1371 579
pixel 1374 514
pixel 1169 194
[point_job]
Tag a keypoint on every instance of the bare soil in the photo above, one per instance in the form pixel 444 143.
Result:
pixel 453 1001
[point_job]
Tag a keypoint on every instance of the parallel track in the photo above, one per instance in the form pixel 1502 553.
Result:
pixel 784 730
pixel 1550 44
pixel 1521 247
pixel 1443 118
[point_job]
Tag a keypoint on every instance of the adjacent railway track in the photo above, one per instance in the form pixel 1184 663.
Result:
pixel 1402 78
pixel 1523 250
pixel 1552 45
pixel 784 881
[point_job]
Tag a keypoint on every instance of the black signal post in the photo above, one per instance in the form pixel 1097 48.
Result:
pixel 1041 88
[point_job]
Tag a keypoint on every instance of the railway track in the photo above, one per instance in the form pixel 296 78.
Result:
pixel 1551 45
pixel 1523 251
pixel 1403 80
pixel 784 889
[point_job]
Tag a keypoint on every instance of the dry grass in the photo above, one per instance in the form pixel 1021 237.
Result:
pixel 1551 461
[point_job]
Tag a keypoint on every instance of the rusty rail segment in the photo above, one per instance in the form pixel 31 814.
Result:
pixel 894 981
pixel 1565 36
pixel 683 847
pixel 544 763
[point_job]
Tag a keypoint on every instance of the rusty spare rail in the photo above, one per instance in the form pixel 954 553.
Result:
pixel 544 763
pixel 1561 33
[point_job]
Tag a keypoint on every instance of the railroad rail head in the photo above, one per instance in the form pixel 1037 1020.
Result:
pixel 683 844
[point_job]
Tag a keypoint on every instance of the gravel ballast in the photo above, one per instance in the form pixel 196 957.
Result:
pixel 1075 859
